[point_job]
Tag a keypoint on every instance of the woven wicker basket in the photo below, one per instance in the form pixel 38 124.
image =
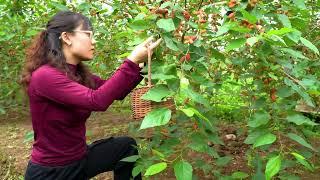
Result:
pixel 141 107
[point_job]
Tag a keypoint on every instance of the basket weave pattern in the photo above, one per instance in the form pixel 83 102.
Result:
pixel 141 107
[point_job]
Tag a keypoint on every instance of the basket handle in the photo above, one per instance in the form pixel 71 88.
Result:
pixel 149 65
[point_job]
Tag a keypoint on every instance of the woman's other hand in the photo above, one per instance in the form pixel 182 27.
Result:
pixel 140 52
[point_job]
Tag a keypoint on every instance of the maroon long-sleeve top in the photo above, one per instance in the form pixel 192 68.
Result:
pixel 60 107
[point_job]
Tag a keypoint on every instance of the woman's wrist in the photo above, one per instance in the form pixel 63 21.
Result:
pixel 133 60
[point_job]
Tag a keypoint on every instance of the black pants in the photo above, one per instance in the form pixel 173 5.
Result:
pixel 103 155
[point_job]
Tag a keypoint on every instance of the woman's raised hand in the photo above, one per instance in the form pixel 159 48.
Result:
pixel 140 52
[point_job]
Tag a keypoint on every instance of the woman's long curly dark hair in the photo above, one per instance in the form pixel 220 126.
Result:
pixel 46 48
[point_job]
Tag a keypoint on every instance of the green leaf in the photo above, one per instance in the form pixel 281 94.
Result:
pixel 299 119
pixel 273 167
pixel 157 93
pixel 302 160
pixel 284 92
pixel 170 44
pixel 191 112
pixel 309 44
pixel 222 161
pixel 277 39
pixel 158 153
pixel 29 136
pixel 133 158
pixel 294 53
pixel 265 139
pixel 59 6
pixel 166 24
pixel 300 140
pixel 300 4
pixel 239 175
pixel 196 97
pixel 183 170
pixel 137 170
pixel 155 169
pixel 217 55
pixel 284 20
pixel 166 4
pixel 222 30
pixel 303 94
pixel 252 19
pixel 237 43
pixel 31 32
pixel 139 25
pixel 156 117
pixel 252 40
pixel 294 36
pixel 254 135
pixel 163 77
pixel 259 118
pixel 281 31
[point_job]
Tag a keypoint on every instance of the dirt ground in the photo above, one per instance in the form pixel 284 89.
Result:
pixel 15 151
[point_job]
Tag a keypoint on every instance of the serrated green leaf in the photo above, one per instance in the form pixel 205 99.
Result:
pixel 158 153
pixel 163 77
pixel 157 93
pixel 303 94
pixel 251 18
pixel 237 43
pixel 259 118
pixel 59 6
pixel 170 44
pixel 294 36
pixel 183 170
pixel 222 161
pixel 294 53
pixel 277 38
pixel 189 112
pixel 273 167
pixel 300 140
pixel 309 44
pixel 137 170
pixel 222 30
pixel 252 40
pixel 284 20
pixel 300 4
pixel 155 169
pixel 166 24
pixel 281 31
pixel 133 158
pixel 265 139
pixel 302 160
pixel 139 25
pixel 299 119
pixel 156 117
pixel 254 135
pixel 239 175
pixel 166 4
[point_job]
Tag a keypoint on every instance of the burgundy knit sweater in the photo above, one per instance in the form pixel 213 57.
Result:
pixel 60 107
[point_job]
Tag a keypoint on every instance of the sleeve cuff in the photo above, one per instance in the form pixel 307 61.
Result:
pixel 132 64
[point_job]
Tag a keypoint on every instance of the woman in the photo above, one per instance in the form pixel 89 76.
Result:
pixel 62 94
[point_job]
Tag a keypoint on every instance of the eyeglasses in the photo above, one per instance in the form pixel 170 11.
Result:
pixel 91 35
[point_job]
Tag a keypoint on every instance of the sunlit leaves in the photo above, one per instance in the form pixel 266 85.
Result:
pixel 156 168
pixel 273 167
pixel 156 117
